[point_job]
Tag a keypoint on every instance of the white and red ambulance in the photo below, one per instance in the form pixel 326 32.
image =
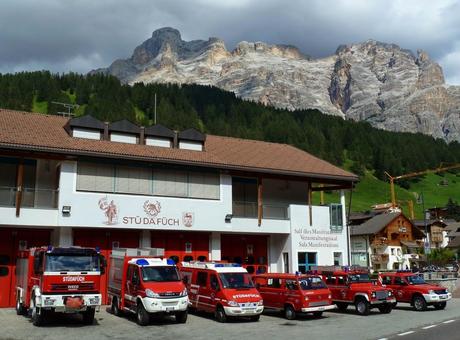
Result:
pixel 142 282
pixel 225 289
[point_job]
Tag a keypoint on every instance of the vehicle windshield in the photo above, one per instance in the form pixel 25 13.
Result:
pixel 359 278
pixel 72 263
pixel 415 280
pixel 308 283
pixel 160 274
pixel 236 280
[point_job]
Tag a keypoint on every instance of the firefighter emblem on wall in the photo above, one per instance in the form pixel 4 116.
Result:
pixel 187 219
pixel 110 210
pixel 152 208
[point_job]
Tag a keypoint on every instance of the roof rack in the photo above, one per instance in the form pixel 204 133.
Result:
pixel 122 252
pixel 209 265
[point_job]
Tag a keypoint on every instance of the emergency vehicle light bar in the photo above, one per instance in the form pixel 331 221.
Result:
pixel 122 252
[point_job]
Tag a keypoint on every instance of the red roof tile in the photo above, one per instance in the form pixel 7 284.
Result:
pixel 39 132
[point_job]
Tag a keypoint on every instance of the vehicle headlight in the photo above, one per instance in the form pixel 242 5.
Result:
pixel 49 302
pixel 261 303
pixel 447 290
pixel 233 303
pixel 373 295
pixel 151 294
pixel 329 296
pixel 184 292
pixel 94 300
pixel 390 293
pixel 431 292
pixel 306 298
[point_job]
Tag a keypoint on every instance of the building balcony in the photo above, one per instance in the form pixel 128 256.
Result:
pixel 380 258
pixel 31 198
pixel 269 211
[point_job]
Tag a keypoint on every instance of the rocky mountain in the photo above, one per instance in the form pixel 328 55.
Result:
pixel 383 84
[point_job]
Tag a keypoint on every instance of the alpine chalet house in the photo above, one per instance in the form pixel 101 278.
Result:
pixel 84 182
pixel 387 241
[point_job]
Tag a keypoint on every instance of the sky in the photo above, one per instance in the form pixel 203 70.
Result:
pixel 81 35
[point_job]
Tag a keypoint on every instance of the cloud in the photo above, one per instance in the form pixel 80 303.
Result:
pixel 82 35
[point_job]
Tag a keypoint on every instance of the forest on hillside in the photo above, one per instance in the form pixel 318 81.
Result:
pixel 354 145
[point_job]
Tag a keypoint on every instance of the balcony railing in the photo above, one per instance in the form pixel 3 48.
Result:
pixel 380 258
pixel 269 211
pixel 31 197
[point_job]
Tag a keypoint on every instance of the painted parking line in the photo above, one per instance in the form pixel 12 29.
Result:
pixel 428 327
pixel 406 333
pixel 448 321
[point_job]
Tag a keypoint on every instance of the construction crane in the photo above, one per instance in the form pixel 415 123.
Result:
pixel 415 174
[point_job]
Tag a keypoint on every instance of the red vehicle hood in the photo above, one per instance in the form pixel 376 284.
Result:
pixel 425 287
pixel 368 286
pixel 242 295
pixel 313 293
pixel 165 287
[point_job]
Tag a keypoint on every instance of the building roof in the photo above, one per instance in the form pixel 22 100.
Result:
pixel 454 243
pixel 192 134
pixel 125 126
pixel 375 224
pixel 27 131
pixel 159 130
pixel 87 121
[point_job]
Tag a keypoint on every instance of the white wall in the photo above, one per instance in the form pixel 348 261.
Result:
pixel 197 146
pixel 123 138
pixel 86 133
pixel 156 141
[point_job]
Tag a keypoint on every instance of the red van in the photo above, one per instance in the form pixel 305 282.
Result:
pixel 294 294
pixel 225 289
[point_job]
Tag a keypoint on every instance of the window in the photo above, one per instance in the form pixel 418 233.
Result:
pixel 386 280
pixel 213 282
pixel 341 280
pixel 274 283
pixel 95 177
pixel 399 280
pixel 147 181
pixel 337 258
pixel 201 279
pixel 133 180
pixel 292 285
pixel 336 217
pixel 306 261
pixel 135 278
pixel 244 195
pixel 392 251
pixel 286 262
pixel 330 280
pixel 4 271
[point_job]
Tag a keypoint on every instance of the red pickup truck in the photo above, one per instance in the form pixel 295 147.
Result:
pixel 412 288
pixel 354 287
pixel 294 293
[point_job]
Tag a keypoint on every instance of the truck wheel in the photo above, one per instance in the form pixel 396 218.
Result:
pixel 255 318
pixel 317 314
pixel 419 303
pixel 289 312
pixel 20 310
pixel 440 305
pixel 38 316
pixel 220 314
pixel 342 306
pixel 88 316
pixel 114 308
pixel 362 306
pixel 142 317
pixel 181 317
pixel 385 309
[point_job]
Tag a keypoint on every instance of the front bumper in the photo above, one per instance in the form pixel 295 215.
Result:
pixel 155 305
pixel 382 302
pixel 318 309
pixel 435 298
pixel 243 311
pixel 57 302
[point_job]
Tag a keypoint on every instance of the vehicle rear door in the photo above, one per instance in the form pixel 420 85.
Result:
pixel 130 286
pixel 273 292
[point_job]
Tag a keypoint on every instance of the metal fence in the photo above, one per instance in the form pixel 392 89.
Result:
pixel 269 211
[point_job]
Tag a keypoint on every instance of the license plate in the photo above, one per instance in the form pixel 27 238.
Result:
pixel 169 309
pixel 443 297
pixel 321 308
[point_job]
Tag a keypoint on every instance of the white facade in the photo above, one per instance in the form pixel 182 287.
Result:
pixel 123 138
pixel 189 145
pixel 291 238
pixel 86 133
pixel 157 141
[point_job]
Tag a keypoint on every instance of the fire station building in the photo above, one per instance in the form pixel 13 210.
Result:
pixel 84 182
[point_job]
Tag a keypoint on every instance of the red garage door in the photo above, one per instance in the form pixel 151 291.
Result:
pixel 106 240
pixel 183 246
pixel 244 248
pixel 10 241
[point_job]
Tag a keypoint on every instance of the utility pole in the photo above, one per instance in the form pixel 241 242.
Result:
pixel 427 236
pixel 155 111
pixel 69 108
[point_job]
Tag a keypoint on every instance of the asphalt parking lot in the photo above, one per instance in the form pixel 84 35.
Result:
pixel 333 325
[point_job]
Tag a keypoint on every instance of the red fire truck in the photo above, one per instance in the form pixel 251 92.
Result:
pixel 58 280
pixel 225 289
pixel 141 282
pixel 412 288
pixel 294 294
pixel 354 287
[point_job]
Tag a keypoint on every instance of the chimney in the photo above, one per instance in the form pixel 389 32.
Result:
pixel 176 139
pixel 106 131
pixel 142 136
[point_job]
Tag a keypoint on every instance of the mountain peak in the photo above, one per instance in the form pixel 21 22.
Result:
pixel 166 33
